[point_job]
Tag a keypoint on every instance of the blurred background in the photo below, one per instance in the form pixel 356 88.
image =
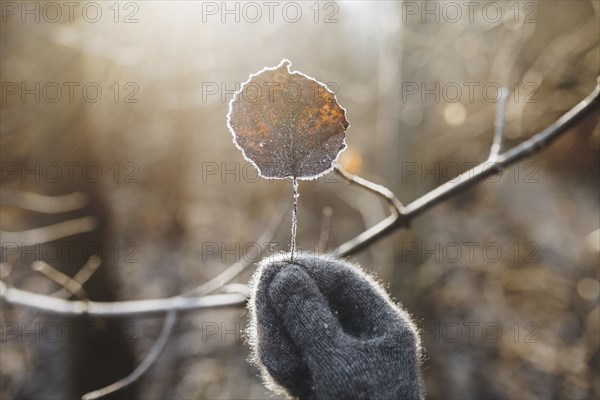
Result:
pixel 124 104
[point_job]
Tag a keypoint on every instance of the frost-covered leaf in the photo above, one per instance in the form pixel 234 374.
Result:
pixel 287 124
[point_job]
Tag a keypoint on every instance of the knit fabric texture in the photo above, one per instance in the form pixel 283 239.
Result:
pixel 321 328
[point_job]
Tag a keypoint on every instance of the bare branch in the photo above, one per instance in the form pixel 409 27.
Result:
pixel 204 289
pixel 369 236
pixel 48 233
pixel 85 273
pixel 241 265
pixel 70 286
pixel 53 305
pixel 42 203
pixel 473 176
pixel 396 206
pixel 146 364
pixel 402 218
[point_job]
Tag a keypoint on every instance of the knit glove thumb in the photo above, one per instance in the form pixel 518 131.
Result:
pixel 323 329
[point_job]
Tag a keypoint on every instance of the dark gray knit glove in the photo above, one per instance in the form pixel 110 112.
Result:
pixel 323 329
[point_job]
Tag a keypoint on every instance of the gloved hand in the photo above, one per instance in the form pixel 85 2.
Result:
pixel 323 329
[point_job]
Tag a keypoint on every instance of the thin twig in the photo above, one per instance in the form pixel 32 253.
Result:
pixel 70 287
pixel 181 303
pixel 395 205
pixel 52 305
pixel 84 274
pixel 42 203
pixel 169 322
pixel 50 233
pixel 241 265
pixel 499 125
pixel 473 176
pixel 144 366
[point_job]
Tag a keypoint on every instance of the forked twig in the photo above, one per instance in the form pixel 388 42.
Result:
pixel 473 176
pixel 70 287
pixel 202 290
pixel 395 205
pixel 183 303
pixel 400 217
pixel 241 265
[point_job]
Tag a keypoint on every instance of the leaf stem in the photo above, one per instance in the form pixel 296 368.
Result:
pixel 294 219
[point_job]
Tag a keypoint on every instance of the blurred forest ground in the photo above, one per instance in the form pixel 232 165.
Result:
pixel 542 215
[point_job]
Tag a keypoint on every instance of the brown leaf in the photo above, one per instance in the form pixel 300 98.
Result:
pixel 287 124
